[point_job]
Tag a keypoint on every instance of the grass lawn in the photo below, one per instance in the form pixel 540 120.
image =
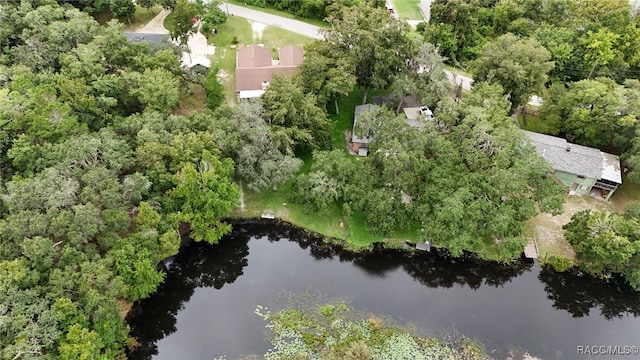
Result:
pixel 626 192
pixel 283 14
pixel 191 100
pixel 408 9
pixel 225 55
pixel 275 37
pixel 534 123
pixel 139 19
pixel 169 22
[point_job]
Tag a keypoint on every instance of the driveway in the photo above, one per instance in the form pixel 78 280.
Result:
pixel 156 25
pixel 296 26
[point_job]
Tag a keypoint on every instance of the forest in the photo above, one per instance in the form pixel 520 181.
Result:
pixel 102 176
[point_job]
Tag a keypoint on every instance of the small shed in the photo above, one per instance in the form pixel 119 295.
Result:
pixel 360 143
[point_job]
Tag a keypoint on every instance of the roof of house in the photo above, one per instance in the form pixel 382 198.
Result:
pixel 576 159
pixel 354 137
pixel 291 55
pixel 147 37
pixel 253 56
pixel 254 66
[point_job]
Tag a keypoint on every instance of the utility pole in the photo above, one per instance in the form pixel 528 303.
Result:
pixel 227 4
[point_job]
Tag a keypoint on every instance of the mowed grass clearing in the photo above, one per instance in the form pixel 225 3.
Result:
pixel 408 9
pixel 225 56
pixel 275 38
pixel 141 17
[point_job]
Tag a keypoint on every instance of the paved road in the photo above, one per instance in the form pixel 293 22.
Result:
pixel 296 26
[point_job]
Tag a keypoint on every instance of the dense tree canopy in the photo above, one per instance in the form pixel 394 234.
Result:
pixel 97 177
pixel 606 242
pixel 445 177
pixel 521 67
pixel 374 43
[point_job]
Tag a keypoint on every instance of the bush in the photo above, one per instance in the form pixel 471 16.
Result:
pixel 235 41
pixel 559 263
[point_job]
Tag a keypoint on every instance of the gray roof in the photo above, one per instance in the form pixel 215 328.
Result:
pixel 152 38
pixel 355 138
pixel 576 159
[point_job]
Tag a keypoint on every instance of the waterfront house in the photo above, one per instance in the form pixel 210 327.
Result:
pixel 585 170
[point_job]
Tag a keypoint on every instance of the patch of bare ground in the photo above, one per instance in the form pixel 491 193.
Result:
pixel 125 307
pixel 547 232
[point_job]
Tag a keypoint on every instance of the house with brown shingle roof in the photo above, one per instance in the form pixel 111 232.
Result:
pixel 255 68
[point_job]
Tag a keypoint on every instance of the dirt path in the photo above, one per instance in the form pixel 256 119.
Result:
pixel 547 229
pixel 156 25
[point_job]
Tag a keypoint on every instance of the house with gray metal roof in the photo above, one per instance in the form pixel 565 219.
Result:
pixel 585 170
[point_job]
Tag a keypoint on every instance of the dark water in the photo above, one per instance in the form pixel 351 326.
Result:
pixel 205 308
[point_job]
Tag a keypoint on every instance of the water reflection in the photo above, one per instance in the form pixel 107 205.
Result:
pixel 579 294
pixel 197 265
pixel 201 265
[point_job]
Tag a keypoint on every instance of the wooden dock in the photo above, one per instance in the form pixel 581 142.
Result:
pixel 426 246
pixel 531 250
pixel 268 214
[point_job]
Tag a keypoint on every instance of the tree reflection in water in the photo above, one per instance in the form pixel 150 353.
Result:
pixel 578 293
pixel 203 265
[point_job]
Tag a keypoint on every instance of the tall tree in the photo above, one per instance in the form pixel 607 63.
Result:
pixel 297 123
pixel 258 161
pixel 328 77
pixel 521 67
pixel 184 14
pixel 203 194
pixel 606 242
pixel 374 42
pixel 123 8
pixel 597 112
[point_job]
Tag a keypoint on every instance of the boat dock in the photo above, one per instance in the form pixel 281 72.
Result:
pixel 531 250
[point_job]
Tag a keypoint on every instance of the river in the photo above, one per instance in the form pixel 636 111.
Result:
pixel 205 307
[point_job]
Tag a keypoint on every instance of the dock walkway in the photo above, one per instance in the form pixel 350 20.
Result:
pixel 531 250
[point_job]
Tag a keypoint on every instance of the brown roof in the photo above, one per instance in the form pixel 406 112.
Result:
pixel 253 65
pixel 252 78
pixel 291 55
pixel 253 56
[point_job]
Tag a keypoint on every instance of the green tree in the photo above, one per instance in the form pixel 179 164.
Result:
pixel 123 8
pixel 329 78
pixel 203 195
pixel 183 14
pixel 147 4
pixel 597 112
pixel 214 91
pixel 374 43
pixel 258 161
pixel 211 15
pixel 297 123
pixel 315 190
pixel 157 89
pixel 521 67
pixel 599 48
pixel 605 242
